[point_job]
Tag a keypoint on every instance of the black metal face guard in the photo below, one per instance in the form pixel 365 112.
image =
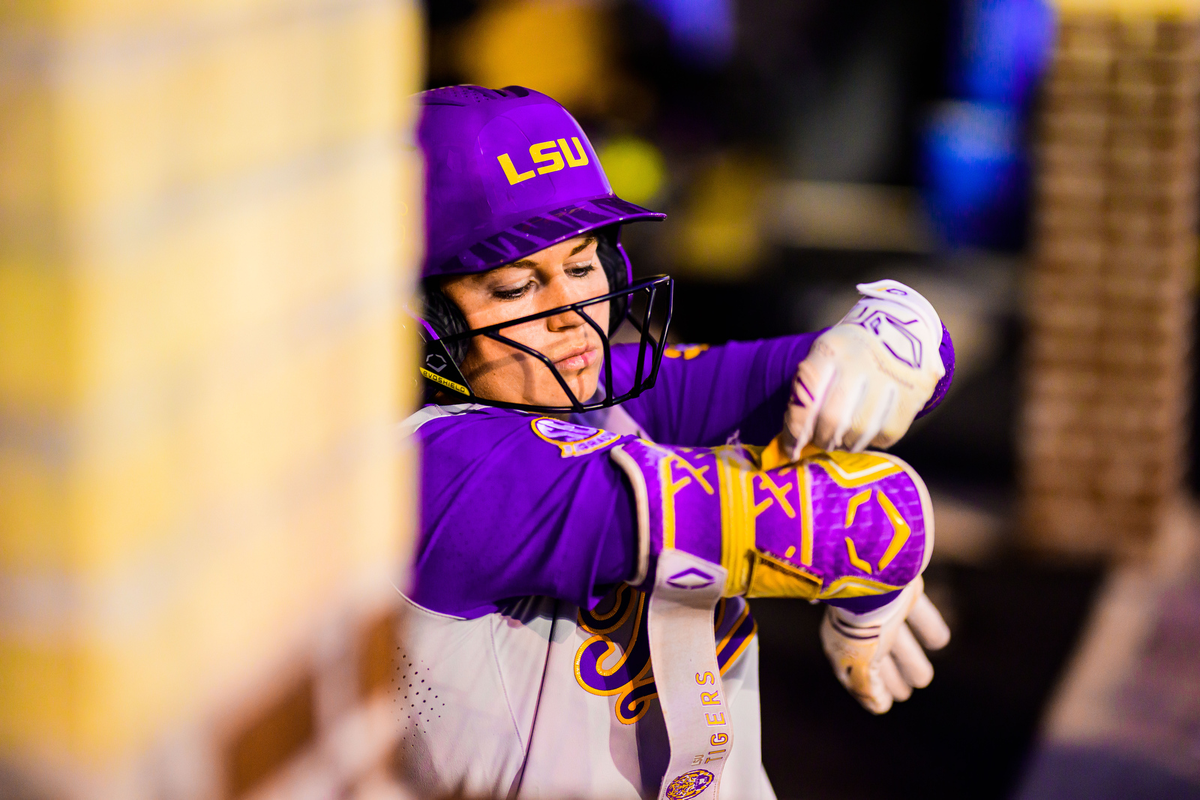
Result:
pixel 439 368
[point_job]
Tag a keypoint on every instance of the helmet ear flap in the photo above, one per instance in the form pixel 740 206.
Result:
pixel 445 318
pixel 616 269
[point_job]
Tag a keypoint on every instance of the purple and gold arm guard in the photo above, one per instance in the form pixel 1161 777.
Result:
pixel 832 526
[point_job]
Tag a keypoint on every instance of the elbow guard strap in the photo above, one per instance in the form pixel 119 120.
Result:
pixel 833 525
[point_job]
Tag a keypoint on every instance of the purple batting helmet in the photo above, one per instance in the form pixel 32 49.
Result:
pixel 509 172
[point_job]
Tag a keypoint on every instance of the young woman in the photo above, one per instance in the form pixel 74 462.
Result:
pixel 594 514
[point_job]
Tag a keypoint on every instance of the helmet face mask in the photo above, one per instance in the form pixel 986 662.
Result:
pixel 509 174
pixel 648 305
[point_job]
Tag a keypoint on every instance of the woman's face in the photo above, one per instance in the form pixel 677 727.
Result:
pixel 561 274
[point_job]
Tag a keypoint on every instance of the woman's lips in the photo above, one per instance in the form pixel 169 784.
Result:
pixel 577 360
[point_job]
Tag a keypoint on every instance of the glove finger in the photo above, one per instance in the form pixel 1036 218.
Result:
pixel 883 441
pixel 838 411
pixel 852 665
pixel 899 422
pixel 911 659
pixel 873 692
pixel 809 387
pixel 927 623
pixel 896 686
pixel 874 420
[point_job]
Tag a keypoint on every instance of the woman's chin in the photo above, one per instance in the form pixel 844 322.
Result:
pixel 582 387
pixel 586 387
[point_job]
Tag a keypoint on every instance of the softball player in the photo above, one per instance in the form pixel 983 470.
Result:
pixel 593 515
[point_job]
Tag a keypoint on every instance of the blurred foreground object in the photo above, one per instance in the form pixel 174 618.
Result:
pixel 1103 434
pixel 204 231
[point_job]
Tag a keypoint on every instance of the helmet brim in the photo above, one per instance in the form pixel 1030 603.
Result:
pixel 544 228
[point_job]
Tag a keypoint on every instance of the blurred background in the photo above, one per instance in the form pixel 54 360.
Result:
pixel 209 218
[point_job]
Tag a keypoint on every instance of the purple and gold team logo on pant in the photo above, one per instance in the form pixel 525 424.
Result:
pixel 615 660
pixel 689 784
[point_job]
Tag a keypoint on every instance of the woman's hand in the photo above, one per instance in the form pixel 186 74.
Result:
pixel 878 656
pixel 866 378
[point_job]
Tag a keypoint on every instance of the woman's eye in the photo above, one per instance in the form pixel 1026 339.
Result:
pixel 580 270
pixel 511 294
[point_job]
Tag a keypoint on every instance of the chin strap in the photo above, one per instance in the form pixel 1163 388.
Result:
pixel 690 691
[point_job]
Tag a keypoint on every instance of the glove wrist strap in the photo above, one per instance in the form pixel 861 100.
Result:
pixel 874 617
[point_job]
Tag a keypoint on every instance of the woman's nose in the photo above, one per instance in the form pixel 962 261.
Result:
pixel 563 293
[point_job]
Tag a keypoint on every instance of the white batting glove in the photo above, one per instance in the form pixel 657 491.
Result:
pixel 866 378
pixel 877 656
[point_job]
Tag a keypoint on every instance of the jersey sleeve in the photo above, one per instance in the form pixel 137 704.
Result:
pixel 514 505
pixel 705 394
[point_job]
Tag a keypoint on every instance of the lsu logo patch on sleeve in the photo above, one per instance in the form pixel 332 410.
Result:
pixel 572 439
